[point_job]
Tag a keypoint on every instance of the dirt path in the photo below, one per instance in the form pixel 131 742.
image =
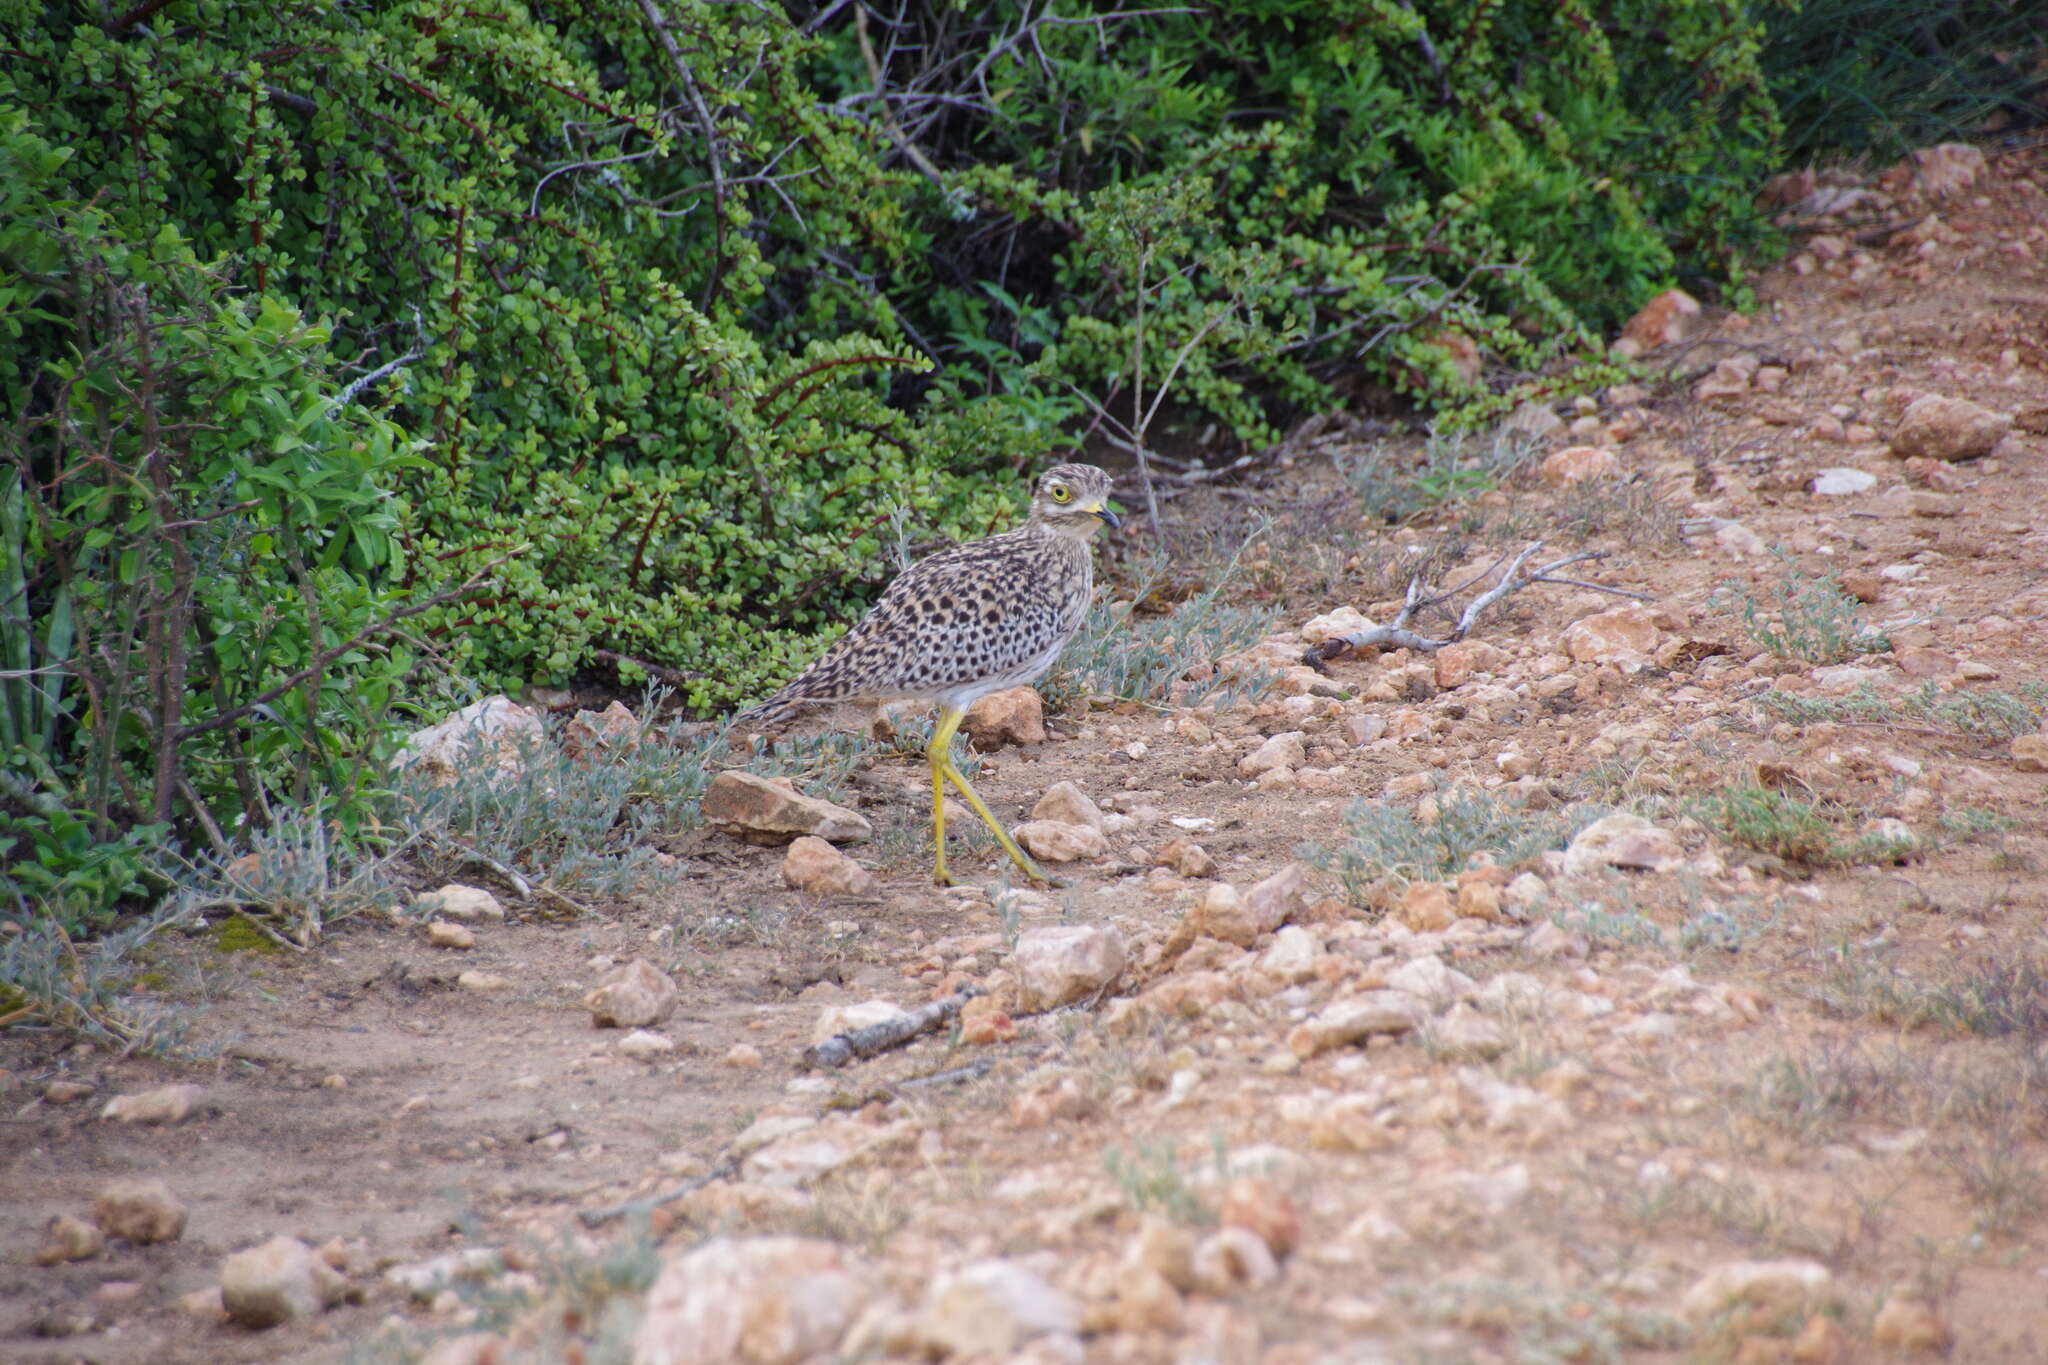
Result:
pixel 1325 1122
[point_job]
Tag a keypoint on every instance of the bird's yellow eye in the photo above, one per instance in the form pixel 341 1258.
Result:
pixel 1061 493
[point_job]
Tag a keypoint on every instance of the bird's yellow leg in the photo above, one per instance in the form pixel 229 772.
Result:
pixel 935 755
pixel 941 756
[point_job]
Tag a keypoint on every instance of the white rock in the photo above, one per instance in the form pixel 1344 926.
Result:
pixel 838 1019
pixel 422 1280
pixel 141 1210
pixel 1515 1108
pixel 1788 1286
pixel 495 733
pixel 164 1104
pixel 636 995
pixel 1342 621
pixel 1622 840
pixel 1233 1258
pixel 1056 841
pixel 279 1281
pixel 1068 804
pixel 468 903
pixel 1292 957
pixel 992 1308
pixel 1059 964
pixel 1739 541
pixel 1346 1020
pixel 1284 750
pixel 646 1044
pixel 761 1301
pixel 1428 977
pixel 1838 483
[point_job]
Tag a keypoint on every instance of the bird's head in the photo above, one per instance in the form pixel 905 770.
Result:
pixel 1072 500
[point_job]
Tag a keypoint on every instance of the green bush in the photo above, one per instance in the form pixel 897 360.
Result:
pixel 696 325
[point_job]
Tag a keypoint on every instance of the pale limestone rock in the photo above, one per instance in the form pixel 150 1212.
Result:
pixel 1668 318
pixel 1945 169
pixel 634 996
pixel 1622 635
pixel 1578 464
pixel 1426 976
pixel 751 1301
pixel 457 902
pixel 1909 1324
pixel 1220 914
pixel 1292 956
pixel 1055 841
pixel 1463 1034
pixel 1059 964
pixel 1068 804
pixel 1330 625
pixel 1284 750
pixel 1940 428
pixel 1015 715
pixel 1769 1287
pixel 992 1308
pixel 1625 841
pixel 1263 1208
pixel 1272 901
pixel 2030 753
pixel 590 733
pixel 1426 908
pixel 493 735
pixel 423 1280
pixel 1515 1108
pixel 814 867
pixel 1739 541
pixel 141 1210
pixel 838 1019
pixel 1533 419
pixel 1730 378
pixel 767 810
pixel 448 934
pixel 1346 1020
pixel 68 1239
pixel 1841 483
pixel 276 1282
pixel 483 981
pixel 1456 663
pixel 1231 1259
pixel 163 1105
pixel 646 1045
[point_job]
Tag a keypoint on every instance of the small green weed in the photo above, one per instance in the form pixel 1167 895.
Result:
pixel 1387 841
pixel 1118 654
pixel 1152 1181
pixel 1544 1324
pixel 1398 486
pixel 1803 617
pixel 1770 822
pixel 1992 716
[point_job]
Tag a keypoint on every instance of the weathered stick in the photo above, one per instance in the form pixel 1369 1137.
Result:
pixel 862 1043
pixel 591 1218
pixel 1397 635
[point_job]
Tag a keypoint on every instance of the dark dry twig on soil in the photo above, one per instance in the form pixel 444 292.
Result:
pixel 862 1043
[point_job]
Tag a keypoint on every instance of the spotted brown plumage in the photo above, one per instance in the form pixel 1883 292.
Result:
pixel 966 622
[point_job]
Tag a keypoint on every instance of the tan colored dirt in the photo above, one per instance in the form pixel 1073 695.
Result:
pixel 1849 1067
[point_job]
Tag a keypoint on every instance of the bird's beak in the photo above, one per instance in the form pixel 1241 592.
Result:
pixel 1109 517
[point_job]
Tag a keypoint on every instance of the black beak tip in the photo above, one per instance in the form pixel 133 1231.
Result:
pixel 1109 517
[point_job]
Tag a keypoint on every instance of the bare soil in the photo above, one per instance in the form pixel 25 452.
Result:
pixel 1850 1069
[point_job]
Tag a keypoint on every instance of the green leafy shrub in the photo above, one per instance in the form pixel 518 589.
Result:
pixel 661 303
pixel 195 546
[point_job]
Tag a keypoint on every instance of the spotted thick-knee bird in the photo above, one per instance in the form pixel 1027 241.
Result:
pixel 966 622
